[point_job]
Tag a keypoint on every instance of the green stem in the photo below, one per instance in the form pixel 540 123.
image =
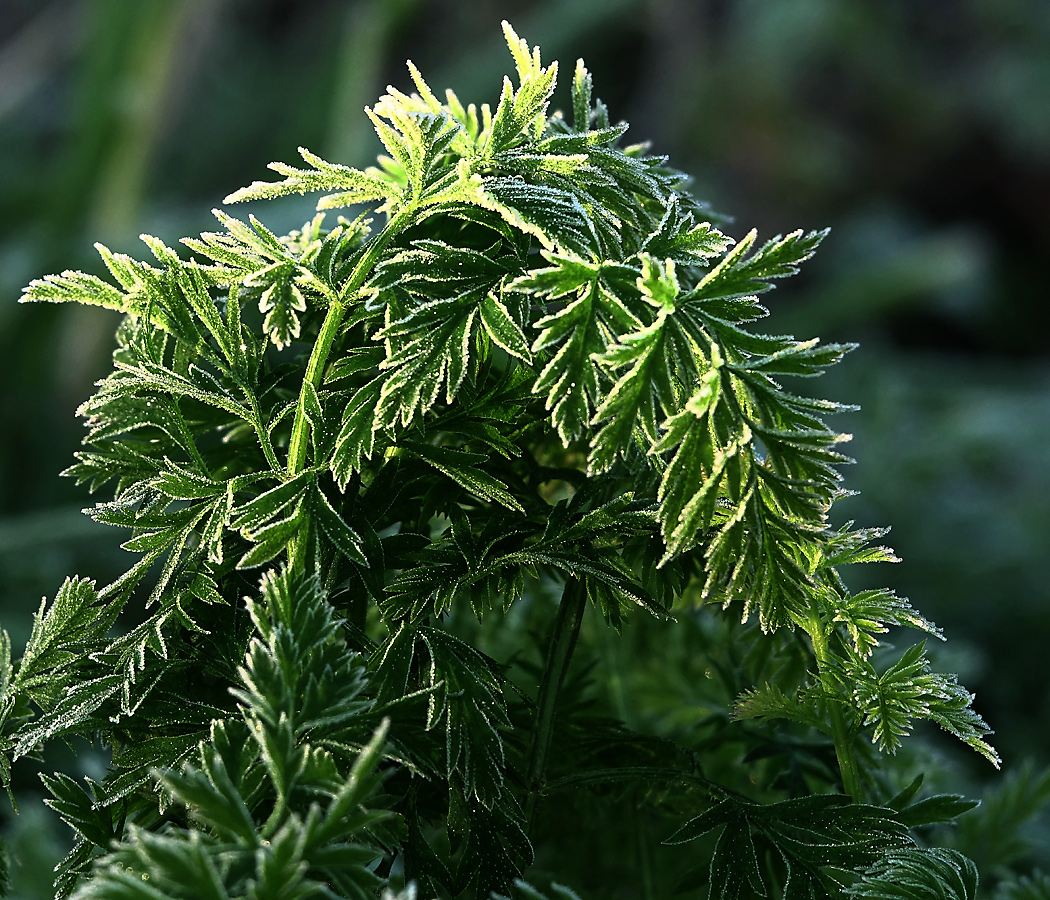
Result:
pixel 329 329
pixel 315 366
pixel 187 436
pixel 314 373
pixel 840 732
pixel 260 430
pixel 563 641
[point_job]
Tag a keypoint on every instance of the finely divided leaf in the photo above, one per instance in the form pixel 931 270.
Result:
pixel 577 335
pixel 345 185
pixel 813 836
pixel 429 352
pixel 739 274
pixel 553 216
pixel 907 690
pixel 868 613
pixel 80 288
pixel 914 873
pixel 503 329
pixel 467 705
pixel 462 467
pixel 655 361
pixel 771 702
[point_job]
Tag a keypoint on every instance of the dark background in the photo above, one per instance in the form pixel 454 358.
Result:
pixel 920 132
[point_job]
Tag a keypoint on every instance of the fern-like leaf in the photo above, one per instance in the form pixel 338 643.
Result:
pixel 813 836
pixel 918 873
pixel 889 701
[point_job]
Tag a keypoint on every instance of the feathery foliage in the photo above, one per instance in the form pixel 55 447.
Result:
pixel 525 364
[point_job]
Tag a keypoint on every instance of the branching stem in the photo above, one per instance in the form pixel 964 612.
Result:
pixel 563 642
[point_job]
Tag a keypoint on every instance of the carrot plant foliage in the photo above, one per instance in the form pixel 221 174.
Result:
pixel 397 485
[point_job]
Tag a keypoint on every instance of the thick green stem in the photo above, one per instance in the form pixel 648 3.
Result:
pixel 840 732
pixel 563 642
pixel 315 366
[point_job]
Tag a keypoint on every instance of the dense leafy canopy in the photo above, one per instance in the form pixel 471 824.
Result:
pixel 529 364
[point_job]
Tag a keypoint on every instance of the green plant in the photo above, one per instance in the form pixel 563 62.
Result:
pixel 468 445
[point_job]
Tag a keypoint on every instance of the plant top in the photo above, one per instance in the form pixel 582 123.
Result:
pixel 525 365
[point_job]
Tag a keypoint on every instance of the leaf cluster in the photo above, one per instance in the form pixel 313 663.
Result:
pixel 538 376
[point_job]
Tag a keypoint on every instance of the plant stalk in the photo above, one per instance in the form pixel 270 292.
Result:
pixel 840 732
pixel 315 366
pixel 329 329
pixel 563 642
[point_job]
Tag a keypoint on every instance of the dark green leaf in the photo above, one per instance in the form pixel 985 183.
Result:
pixel 814 836
pixel 918 874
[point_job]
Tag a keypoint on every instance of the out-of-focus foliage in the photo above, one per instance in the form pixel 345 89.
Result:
pixel 918 131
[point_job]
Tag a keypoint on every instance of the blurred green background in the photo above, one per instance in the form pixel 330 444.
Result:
pixel 919 131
